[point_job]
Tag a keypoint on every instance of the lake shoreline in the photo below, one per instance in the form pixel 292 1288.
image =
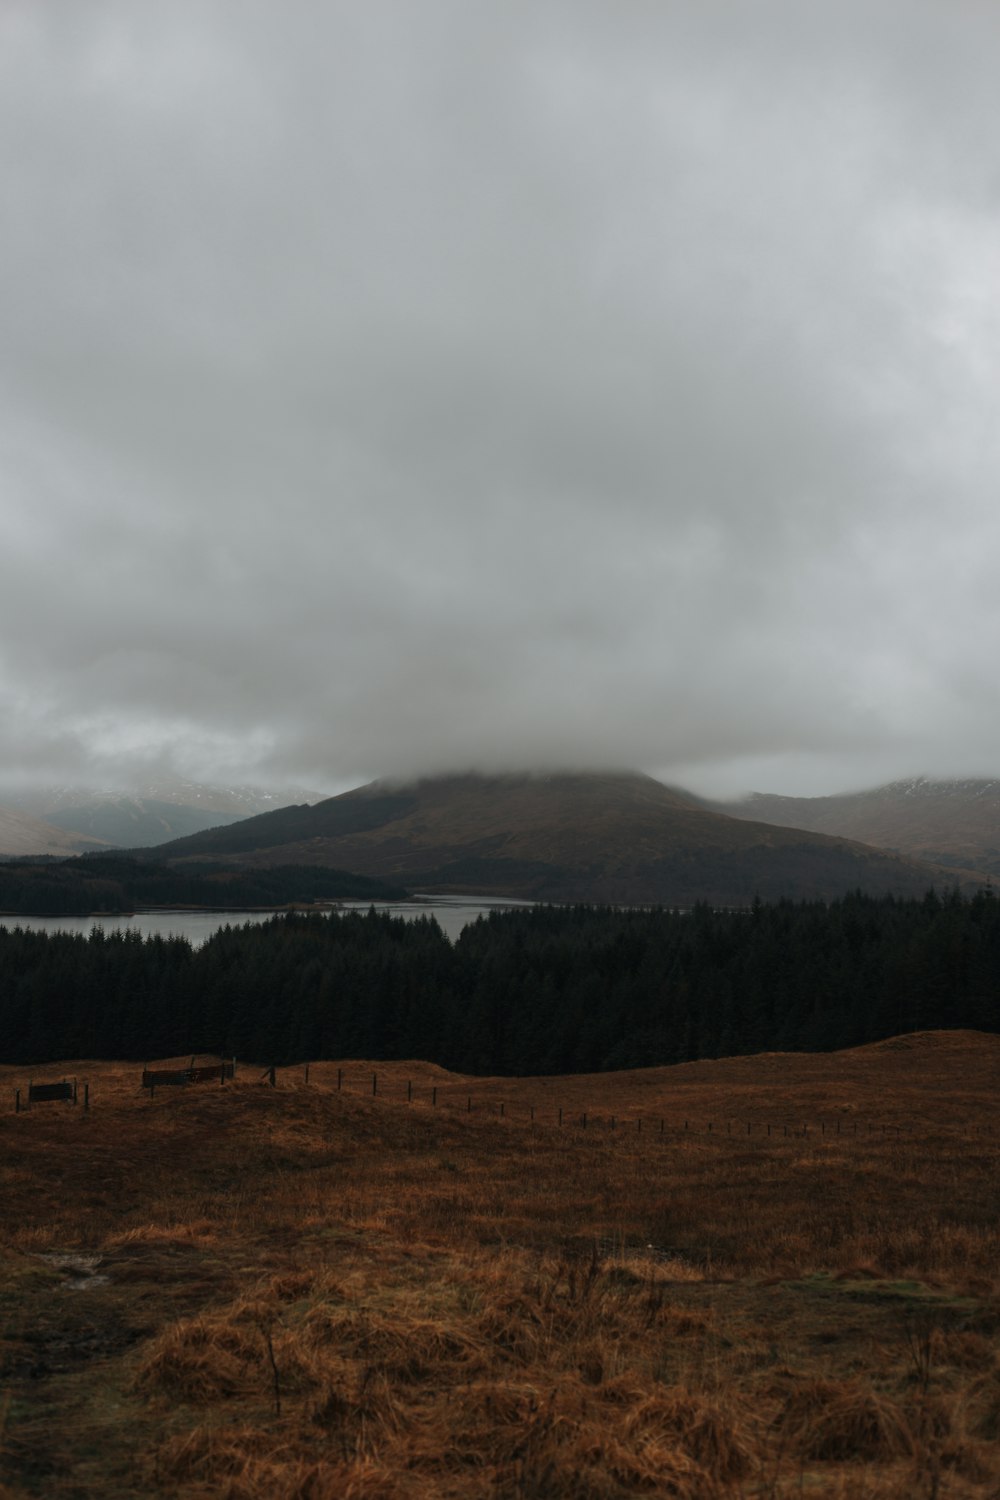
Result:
pixel 198 923
pixel 343 903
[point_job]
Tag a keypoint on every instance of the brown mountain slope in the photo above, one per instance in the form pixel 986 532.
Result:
pixel 567 837
pixel 951 823
pixel 21 834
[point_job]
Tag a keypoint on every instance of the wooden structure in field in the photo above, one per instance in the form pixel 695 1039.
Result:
pixel 180 1077
pixel 48 1093
pixel 41 1093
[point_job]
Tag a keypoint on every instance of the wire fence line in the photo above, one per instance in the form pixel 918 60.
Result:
pixel 455 1099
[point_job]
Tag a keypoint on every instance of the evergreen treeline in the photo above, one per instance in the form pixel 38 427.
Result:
pixel 542 990
pixel 112 883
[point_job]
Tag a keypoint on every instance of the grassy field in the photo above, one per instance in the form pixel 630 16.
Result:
pixel 242 1291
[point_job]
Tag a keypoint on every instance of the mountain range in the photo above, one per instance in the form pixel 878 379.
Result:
pixel 609 837
pixel 618 837
pixel 75 819
pixel 951 823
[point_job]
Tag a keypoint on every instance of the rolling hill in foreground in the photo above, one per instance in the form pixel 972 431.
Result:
pixel 566 837
pixel 783 1284
pixel 951 823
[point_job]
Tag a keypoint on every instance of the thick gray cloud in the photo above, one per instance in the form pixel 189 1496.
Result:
pixel 393 387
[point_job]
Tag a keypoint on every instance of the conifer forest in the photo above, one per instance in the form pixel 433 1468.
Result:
pixel 532 991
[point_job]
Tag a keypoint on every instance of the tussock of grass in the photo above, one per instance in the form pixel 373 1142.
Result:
pixel 724 1442
pixel 561 1439
pixel 202 1360
pixel 843 1423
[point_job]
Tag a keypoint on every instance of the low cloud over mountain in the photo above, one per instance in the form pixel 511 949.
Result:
pixel 389 389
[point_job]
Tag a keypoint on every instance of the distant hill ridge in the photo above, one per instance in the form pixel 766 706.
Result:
pixel 165 808
pixel 612 836
pixel 22 835
pixel 954 823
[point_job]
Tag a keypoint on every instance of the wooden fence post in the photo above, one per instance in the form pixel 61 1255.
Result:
pixel 86 1097
pixel 501 1109
pixel 17 1101
pixel 560 1114
pixel 374 1085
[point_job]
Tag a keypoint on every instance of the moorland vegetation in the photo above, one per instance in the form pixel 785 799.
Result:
pixel 300 1293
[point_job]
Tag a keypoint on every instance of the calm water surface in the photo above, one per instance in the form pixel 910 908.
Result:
pixel 452 913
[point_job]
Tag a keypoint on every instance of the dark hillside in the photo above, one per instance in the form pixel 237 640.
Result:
pixel 569 837
pixel 118 883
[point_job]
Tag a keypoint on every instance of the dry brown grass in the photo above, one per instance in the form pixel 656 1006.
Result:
pixel 843 1422
pixel 307 1294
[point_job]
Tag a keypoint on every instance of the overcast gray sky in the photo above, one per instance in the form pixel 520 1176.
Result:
pixel 423 384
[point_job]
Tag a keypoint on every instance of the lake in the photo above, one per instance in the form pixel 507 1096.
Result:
pixel 452 913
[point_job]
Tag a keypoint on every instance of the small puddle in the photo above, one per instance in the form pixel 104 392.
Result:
pixel 84 1267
